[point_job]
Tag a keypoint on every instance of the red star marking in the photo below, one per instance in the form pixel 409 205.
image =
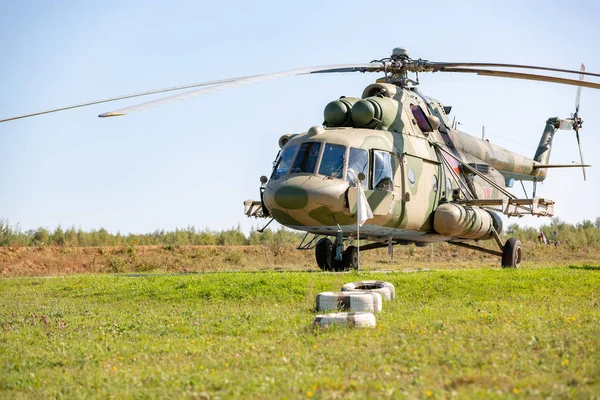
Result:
pixel 453 163
pixel 488 192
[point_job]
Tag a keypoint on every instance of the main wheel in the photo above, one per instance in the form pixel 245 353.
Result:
pixel 512 254
pixel 324 253
pixel 350 259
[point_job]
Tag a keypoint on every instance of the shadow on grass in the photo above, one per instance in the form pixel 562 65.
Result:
pixel 586 267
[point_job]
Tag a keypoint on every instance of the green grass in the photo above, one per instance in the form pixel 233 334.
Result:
pixel 471 333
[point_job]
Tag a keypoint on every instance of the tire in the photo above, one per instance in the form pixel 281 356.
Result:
pixel 349 301
pixel 323 254
pixel 512 253
pixel 385 289
pixel 350 258
pixel 354 320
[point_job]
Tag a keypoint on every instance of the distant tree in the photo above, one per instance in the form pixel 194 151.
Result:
pixel 232 237
pixel 71 237
pixel 41 237
pixel 58 237
pixel 6 233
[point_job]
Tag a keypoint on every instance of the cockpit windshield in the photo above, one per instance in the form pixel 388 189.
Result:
pixel 282 165
pixel 332 162
pixel 307 157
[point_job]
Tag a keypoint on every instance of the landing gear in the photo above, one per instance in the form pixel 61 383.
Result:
pixel 324 254
pixel 512 253
pixel 350 259
pixel 326 260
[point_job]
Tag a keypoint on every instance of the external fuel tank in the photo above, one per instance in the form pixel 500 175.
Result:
pixel 463 222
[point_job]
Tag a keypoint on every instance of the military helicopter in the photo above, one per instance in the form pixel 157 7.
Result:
pixel 424 181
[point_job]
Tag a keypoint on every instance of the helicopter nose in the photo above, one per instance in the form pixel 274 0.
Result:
pixel 307 200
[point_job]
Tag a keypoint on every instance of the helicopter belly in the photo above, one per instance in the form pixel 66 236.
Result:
pixel 375 233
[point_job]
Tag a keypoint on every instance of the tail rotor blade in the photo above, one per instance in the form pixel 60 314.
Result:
pixel 578 97
pixel 577 121
pixel 580 153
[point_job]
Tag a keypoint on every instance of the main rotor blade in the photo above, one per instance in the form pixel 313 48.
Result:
pixel 578 97
pixel 371 67
pixel 443 65
pixel 129 96
pixel 543 166
pixel 519 75
pixel 580 154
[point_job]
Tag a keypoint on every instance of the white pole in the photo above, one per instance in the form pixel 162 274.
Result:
pixel 358 216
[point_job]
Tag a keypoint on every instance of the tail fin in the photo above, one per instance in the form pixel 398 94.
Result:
pixel 542 154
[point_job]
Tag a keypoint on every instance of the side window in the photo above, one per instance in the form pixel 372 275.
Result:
pixel 307 157
pixel 421 118
pixel 358 162
pixel 332 162
pixel 383 178
pixel 282 165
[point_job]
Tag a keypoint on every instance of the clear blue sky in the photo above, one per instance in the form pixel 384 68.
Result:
pixel 195 162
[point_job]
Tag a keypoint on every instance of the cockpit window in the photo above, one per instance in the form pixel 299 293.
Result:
pixel 332 162
pixel 307 157
pixel 282 165
pixel 383 178
pixel 358 162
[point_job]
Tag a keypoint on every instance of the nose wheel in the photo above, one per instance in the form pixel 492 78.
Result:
pixel 323 254
pixel 326 260
pixel 350 258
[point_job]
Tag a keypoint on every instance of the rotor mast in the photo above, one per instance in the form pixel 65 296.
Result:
pixel 396 68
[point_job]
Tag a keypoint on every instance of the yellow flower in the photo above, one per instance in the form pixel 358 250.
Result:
pixel 565 362
pixel 114 367
pixel 516 391
pixel 309 394
pixel 428 393
pixel 202 367
pixel 314 387
pixel 227 364
pixel 314 346
pixel 297 354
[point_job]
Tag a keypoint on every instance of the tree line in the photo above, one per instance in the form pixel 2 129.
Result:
pixel 72 237
pixel 585 233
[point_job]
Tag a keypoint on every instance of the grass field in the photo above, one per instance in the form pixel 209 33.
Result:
pixel 456 333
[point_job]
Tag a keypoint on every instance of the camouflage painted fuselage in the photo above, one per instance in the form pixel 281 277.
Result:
pixel 408 126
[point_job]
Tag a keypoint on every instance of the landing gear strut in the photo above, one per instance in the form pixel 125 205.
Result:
pixel 325 253
pixel 511 251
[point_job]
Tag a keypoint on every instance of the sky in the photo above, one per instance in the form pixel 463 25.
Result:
pixel 194 163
